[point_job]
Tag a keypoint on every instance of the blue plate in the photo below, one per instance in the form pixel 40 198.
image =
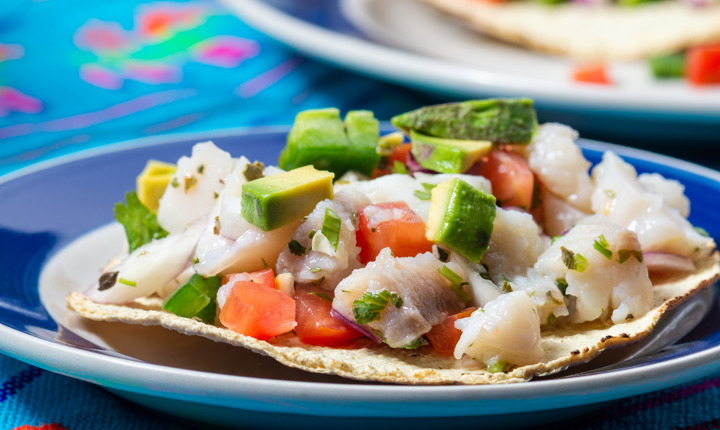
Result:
pixel 408 43
pixel 56 232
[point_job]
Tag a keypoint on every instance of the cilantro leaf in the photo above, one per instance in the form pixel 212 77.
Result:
pixel 141 225
pixel 296 248
pixel 601 245
pixel 371 304
pixel 573 261
pixel 456 282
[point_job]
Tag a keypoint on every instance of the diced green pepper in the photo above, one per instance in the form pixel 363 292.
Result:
pixel 668 66
pixel 195 298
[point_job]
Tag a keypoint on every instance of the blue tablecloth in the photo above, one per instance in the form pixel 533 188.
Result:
pixel 79 74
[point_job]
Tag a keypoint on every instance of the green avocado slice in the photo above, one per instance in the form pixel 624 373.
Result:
pixel 497 120
pixel 461 218
pixel 447 155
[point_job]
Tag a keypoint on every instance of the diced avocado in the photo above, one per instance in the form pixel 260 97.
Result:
pixel 461 218
pixel 447 155
pixel 319 137
pixel 195 298
pixel 363 132
pixel 152 181
pixel 496 120
pixel 274 201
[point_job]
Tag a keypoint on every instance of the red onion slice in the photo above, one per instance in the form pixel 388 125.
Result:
pixel 355 325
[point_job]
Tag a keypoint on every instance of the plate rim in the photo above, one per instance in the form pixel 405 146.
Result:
pixel 132 376
pixel 449 77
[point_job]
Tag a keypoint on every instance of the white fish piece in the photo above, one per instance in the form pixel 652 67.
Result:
pixel 560 165
pixel 320 268
pixel 191 193
pixel 156 267
pixel 672 191
pixel 544 293
pixel 506 330
pixel 559 215
pixel 427 295
pixel 621 198
pixel 515 245
pixel 482 289
pixel 606 288
pixel 231 244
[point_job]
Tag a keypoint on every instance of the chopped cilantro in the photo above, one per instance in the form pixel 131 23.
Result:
pixel 140 224
pixel 296 248
pixel 456 282
pixel 497 367
pixel 201 169
pixel 624 254
pixel 398 167
pixel 551 318
pixel 190 182
pixel 425 194
pixel 267 266
pixel 609 193
pixel 315 270
pixel 562 285
pixel 702 232
pixel 331 227
pixel 554 239
pixel 371 304
pixel 506 287
pixel 601 245
pixel 174 182
pixel 322 296
pixel 127 282
pixel 417 343
pixel 254 171
pixel 573 261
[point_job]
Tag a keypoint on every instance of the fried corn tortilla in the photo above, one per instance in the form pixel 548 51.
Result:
pixel 563 346
pixel 591 32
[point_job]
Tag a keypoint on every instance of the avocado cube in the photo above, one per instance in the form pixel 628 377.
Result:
pixel 447 155
pixel 496 120
pixel 363 132
pixel 273 201
pixel 461 218
pixel 319 137
pixel 152 182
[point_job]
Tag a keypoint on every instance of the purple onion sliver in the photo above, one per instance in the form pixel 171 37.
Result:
pixel 413 166
pixel 353 324
pixel 667 262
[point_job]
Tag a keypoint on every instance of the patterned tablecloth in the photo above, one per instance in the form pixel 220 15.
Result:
pixel 79 74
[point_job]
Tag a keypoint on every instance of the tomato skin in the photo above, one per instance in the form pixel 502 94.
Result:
pixel 512 180
pixel 702 65
pixel 400 153
pixel 315 324
pixel 258 309
pixel 404 235
pixel 444 336
pixel 591 74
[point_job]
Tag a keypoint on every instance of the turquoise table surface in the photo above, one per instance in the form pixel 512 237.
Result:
pixel 79 74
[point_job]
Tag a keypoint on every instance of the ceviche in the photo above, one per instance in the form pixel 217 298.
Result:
pixel 472 245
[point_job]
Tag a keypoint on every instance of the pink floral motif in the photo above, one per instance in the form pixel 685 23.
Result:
pixel 12 100
pixel 164 39
pixel 224 51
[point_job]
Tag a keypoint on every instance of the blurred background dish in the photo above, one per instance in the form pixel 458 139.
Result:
pixel 409 43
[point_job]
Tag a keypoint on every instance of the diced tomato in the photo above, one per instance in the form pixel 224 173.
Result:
pixel 315 324
pixel 511 178
pixel 257 308
pixel 703 65
pixel 591 74
pixel 444 336
pixel 264 277
pixel 400 153
pixel 392 225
